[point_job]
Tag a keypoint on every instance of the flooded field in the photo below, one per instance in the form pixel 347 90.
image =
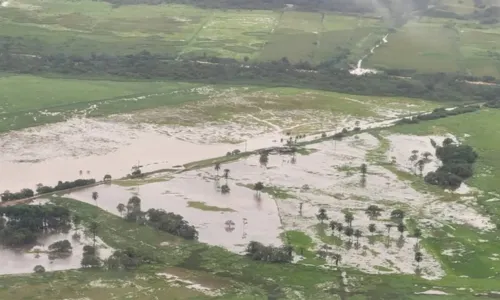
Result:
pixel 24 261
pixel 297 187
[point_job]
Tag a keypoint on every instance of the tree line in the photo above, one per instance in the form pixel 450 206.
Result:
pixel 439 113
pixel 43 189
pixel 144 65
pixel 457 165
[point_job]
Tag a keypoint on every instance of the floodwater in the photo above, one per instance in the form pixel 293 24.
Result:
pixel 253 219
pixel 20 261
pixel 54 152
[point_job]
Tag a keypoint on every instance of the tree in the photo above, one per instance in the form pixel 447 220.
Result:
pixel 77 220
pixel 39 269
pixel 90 261
pixel 448 141
pixel 226 174
pixel 337 257
pixel 420 165
pixel 264 158
pixel 357 234
pixel 63 246
pixel 417 233
pixel 258 187
pixel 349 217
pixel 217 168
pixel 333 225
pixel 224 189
pixel 94 228
pixel 388 226
pixel 322 216
pixel 363 169
pixel 426 155
pixel 372 228
pixel 121 208
pixel 401 228
pixel 373 211
pixel 397 215
pixel 340 227
pixel 418 258
pixel 134 204
pixel 107 178
pixel 349 232
pixel 95 196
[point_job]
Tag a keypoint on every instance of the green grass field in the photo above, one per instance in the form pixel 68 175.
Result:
pixel 422 46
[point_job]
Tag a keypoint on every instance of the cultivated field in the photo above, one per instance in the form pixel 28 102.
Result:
pixel 181 31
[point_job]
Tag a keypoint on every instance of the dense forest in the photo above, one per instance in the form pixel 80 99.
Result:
pixel 144 65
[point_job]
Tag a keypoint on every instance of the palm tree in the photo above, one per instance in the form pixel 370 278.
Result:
pixel 333 225
pixel 340 227
pixel 373 211
pixel 95 196
pixel 121 208
pixel 401 228
pixel 217 168
pixel 349 217
pixel 322 215
pixel 357 234
pixel 420 165
pixel 226 174
pixel 94 227
pixel 372 228
pixel 418 258
pixel 258 187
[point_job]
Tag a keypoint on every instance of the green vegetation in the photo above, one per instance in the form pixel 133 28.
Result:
pixel 205 207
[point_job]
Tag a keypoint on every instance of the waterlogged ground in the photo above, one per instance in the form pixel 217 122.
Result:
pixel 327 178
pixel 228 119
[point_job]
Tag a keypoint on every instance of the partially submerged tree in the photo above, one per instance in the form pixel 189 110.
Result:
pixel 373 211
pixel 121 208
pixel 224 189
pixel 217 168
pixel 372 228
pixel 401 228
pixel 349 217
pixel 397 215
pixel 258 187
pixel 322 216
pixel 95 196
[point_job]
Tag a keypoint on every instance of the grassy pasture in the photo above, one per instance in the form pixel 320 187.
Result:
pixel 421 46
pixel 47 100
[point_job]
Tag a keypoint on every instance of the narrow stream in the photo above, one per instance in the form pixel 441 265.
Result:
pixel 359 70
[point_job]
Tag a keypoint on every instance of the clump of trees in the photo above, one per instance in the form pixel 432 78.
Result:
pixel 258 251
pixel 439 113
pixel 90 257
pixel 171 223
pixel 157 218
pixel 24 193
pixel 129 259
pixel 457 165
pixel 64 185
pixel 23 224
pixel 43 189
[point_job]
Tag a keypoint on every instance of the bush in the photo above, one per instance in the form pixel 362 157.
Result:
pixel 39 269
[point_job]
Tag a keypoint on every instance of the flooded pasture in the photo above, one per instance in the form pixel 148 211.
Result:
pixel 252 219
pixel 22 261
pixel 329 177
